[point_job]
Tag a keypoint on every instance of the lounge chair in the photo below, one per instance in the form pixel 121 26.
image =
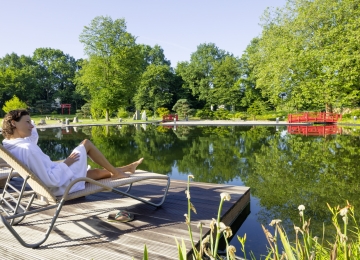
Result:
pixel 16 204
pixel 5 169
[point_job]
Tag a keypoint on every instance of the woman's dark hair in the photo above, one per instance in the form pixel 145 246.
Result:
pixel 16 115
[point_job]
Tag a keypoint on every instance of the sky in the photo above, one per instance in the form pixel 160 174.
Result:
pixel 178 26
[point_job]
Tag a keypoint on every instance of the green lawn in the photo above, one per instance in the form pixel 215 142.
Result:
pixel 84 121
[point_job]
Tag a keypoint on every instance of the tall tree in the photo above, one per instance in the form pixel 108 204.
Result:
pixel 226 86
pixel 55 74
pixel 309 50
pixel 250 94
pixel 154 62
pixel 18 78
pixel 154 55
pixel 112 71
pixel 198 73
pixel 154 89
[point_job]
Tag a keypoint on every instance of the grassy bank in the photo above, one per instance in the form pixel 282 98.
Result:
pixel 58 119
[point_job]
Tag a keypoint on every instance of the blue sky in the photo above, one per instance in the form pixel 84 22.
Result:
pixel 178 26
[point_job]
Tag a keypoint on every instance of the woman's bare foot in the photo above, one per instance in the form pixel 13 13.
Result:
pixel 119 175
pixel 131 168
pixel 121 171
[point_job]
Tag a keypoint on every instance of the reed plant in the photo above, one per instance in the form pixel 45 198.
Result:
pixel 345 244
pixel 208 247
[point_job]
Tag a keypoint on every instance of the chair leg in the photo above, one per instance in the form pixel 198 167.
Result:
pixel 14 221
pixel 8 199
pixel 117 191
pixel 46 235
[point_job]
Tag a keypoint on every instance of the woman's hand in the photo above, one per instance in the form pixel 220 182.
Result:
pixel 72 158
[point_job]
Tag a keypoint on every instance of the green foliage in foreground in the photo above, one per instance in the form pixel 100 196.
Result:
pixel 346 243
pixel 209 245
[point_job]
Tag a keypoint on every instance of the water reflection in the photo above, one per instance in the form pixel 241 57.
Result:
pixel 315 130
pixel 283 170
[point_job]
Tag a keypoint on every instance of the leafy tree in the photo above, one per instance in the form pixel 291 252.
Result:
pixel 257 108
pixel 112 72
pixel 154 89
pixel 13 104
pixel 309 51
pixel 18 78
pixel 153 55
pixel 226 87
pixel 85 110
pixel 197 74
pixel 42 106
pixel 247 81
pixel 55 75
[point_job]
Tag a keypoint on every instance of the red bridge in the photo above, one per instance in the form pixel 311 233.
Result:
pixel 170 118
pixel 315 117
pixel 314 130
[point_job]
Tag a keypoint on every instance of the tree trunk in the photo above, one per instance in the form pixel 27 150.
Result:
pixel 107 115
pixel 328 108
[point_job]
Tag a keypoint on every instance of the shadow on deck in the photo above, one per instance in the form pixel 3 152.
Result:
pixel 83 232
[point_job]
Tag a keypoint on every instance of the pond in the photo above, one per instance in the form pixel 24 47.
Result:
pixel 283 168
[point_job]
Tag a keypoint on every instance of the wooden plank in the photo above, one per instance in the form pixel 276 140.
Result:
pixel 83 232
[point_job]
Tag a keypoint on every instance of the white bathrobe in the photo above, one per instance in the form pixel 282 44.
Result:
pixel 56 176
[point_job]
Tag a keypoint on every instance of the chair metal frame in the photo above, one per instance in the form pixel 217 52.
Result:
pixel 12 199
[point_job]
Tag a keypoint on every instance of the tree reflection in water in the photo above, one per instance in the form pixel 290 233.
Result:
pixel 282 170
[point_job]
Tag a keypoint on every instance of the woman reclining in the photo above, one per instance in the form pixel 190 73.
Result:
pixel 21 139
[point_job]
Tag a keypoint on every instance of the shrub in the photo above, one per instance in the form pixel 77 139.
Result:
pixel 257 108
pixel 222 114
pixel 182 107
pixel 162 111
pixel 356 113
pixel 241 115
pixel 85 111
pixel 204 114
pixel 122 113
pixel 149 113
pixel 346 116
pixel 14 103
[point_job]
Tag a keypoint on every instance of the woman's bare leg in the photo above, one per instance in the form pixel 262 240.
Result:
pixel 110 170
pixel 98 174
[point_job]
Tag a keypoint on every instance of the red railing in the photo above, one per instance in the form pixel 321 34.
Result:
pixel 314 130
pixel 170 117
pixel 319 117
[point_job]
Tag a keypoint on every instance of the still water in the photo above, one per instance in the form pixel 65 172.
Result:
pixel 282 167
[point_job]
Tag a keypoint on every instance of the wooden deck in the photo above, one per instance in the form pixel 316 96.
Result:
pixel 83 232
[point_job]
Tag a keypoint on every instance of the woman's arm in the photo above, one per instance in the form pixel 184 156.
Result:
pixel 34 137
pixel 51 173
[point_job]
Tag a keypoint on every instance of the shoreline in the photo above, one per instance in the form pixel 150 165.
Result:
pixel 181 122
pixel 191 123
